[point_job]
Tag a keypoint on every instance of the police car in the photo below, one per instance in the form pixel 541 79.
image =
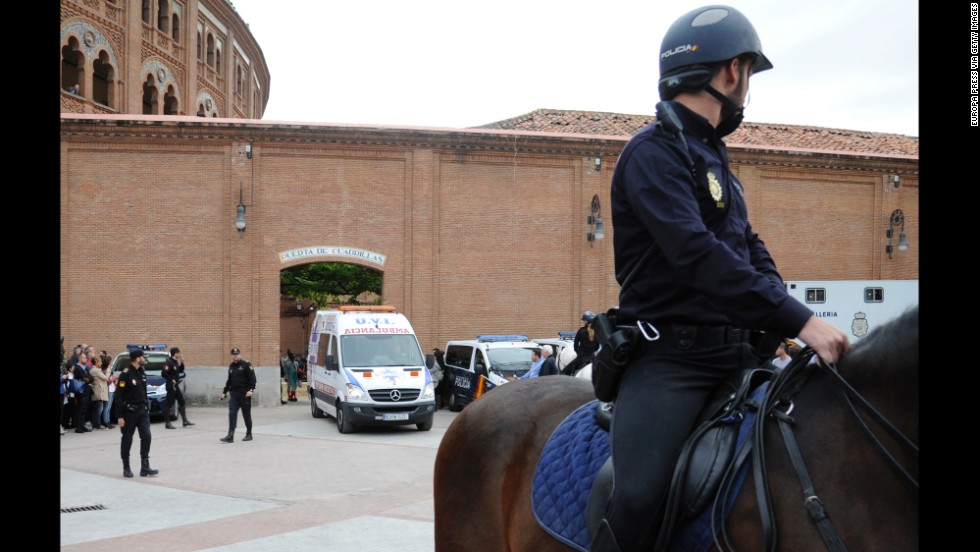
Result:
pixel 156 355
pixel 563 345
pixel 474 366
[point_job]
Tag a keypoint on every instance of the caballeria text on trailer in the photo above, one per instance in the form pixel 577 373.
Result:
pixel 366 368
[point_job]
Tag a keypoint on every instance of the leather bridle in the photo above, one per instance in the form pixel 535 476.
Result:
pixel 777 404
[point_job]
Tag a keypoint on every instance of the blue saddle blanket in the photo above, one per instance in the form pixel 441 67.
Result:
pixel 565 473
pixel 568 467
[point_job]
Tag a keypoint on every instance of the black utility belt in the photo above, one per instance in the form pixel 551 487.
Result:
pixel 684 337
pixel 133 407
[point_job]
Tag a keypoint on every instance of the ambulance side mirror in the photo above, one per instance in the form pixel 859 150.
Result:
pixel 430 360
pixel 330 363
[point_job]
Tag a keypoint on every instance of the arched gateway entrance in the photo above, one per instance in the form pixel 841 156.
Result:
pixel 308 287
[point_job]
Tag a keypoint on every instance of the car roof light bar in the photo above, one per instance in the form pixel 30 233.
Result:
pixel 502 337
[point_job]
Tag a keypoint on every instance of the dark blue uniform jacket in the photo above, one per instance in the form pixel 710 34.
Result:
pixel 710 268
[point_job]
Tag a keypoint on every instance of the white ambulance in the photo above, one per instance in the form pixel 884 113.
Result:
pixel 365 367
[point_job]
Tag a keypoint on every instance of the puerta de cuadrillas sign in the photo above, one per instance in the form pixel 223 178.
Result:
pixel 332 251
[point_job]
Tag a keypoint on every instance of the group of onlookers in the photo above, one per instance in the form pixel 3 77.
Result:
pixel 87 389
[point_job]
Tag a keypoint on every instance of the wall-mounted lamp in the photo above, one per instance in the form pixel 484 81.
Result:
pixel 248 151
pixel 896 181
pixel 240 219
pixel 299 304
pixel 598 162
pixel 896 220
pixel 596 231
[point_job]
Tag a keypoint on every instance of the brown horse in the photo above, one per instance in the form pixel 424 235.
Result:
pixel 487 459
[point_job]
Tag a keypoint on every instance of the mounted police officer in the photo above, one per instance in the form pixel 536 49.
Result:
pixel 585 345
pixel 690 267
pixel 134 412
pixel 239 389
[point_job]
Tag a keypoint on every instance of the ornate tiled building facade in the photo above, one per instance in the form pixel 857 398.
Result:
pixel 160 57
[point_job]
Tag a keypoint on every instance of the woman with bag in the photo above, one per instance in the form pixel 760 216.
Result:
pixel 100 392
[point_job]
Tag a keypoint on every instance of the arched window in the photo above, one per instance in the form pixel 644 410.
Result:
pixel 72 63
pixel 239 87
pixel 151 97
pixel 175 24
pixel 146 11
pixel 103 78
pixel 163 16
pixel 200 111
pixel 217 60
pixel 171 105
pixel 210 59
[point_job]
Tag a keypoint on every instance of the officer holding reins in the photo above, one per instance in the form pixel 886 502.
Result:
pixel 690 267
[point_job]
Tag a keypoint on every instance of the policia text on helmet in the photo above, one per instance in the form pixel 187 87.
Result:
pixel 703 42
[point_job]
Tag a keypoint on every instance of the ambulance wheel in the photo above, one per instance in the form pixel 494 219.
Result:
pixel 317 413
pixel 344 424
pixel 426 425
pixel 454 405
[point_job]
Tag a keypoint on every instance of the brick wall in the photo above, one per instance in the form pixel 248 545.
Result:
pixel 483 231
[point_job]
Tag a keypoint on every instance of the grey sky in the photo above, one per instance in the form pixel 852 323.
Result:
pixel 850 64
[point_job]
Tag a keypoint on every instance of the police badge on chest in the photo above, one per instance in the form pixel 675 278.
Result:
pixel 715 188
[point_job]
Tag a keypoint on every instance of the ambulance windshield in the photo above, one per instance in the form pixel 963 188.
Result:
pixel 368 351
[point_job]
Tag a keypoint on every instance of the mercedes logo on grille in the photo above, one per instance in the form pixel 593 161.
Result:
pixel 395 395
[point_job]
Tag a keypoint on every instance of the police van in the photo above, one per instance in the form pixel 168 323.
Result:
pixel 563 347
pixel 365 367
pixel 475 366
pixel 855 306
pixel 157 355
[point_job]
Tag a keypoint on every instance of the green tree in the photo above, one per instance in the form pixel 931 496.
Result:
pixel 329 283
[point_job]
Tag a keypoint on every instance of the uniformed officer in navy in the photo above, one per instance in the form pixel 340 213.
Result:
pixel 239 389
pixel 690 265
pixel 171 372
pixel 585 345
pixel 134 412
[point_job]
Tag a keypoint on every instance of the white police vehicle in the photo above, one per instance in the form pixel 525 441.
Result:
pixel 475 366
pixel 563 346
pixel 156 355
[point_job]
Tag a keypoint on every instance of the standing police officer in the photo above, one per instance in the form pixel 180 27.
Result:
pixel 689 265
pixel 134 413
pixel 171 373
pixel 239 388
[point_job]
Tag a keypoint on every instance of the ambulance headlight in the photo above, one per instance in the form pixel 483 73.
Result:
pixel 355 392
pixel 429 392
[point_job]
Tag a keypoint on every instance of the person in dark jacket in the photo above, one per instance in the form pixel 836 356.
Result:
pixel 171 372
pixel 83 399
pixel 548 365
pixel 134 413
pixel 239 388
pixel 585 345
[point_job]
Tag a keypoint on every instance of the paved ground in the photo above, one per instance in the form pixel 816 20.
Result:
pixel 299 484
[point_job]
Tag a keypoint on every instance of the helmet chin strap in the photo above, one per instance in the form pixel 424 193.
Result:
pixel 731 114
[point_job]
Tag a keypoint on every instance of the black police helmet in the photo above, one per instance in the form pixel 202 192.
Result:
pixel 588 316
pixel 699 38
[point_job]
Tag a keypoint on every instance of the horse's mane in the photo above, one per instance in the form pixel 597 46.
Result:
pixel 890 350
